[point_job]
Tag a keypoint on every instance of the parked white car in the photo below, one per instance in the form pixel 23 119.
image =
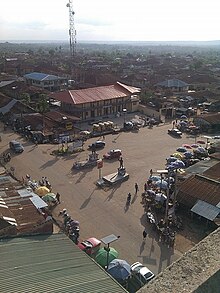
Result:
pixel 141 273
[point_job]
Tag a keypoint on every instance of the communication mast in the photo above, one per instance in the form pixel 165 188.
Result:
pixel 72 31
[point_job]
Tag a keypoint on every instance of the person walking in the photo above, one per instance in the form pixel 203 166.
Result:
pixel 136 188
pixel 58 197
pixel 128 199
pixel 144 234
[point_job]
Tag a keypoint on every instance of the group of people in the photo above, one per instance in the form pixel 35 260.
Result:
pixel 71 226
pixel 6 157
pixel 45 182
pixel 136 188
pixel 154 200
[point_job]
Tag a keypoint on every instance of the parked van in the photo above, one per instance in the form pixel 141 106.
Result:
pixel 16 146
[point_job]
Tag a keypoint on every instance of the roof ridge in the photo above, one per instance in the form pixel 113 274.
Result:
pixel 207 178
pixel 73 99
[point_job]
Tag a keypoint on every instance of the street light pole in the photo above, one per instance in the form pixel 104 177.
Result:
pixel 107 240
pixel 175 184
pixel 161 172
pixel 124 111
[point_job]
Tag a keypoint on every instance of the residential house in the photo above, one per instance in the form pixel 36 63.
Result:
pixel 174 85
pixel 11 108
pixel 46 81
pixel 208 122
pixel 90 103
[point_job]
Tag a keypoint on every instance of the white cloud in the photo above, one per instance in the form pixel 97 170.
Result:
pixel 111 20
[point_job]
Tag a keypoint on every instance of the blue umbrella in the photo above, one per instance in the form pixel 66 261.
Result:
pixel 119 269
pixel 162 184
pixel 183 117
pixel 171 159
pixel 201 150
pixel 155 178
pixel 181 150
pixel 188 155
pixel 183 123
pixel 177 165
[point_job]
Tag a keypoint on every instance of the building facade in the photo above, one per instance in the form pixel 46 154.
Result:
pixel 46 81
pixel 100 101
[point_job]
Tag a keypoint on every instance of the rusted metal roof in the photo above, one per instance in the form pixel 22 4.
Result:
pixel 16 209
pixel 58 116
pixel 39 122
pixel 212 119
pixel 95 94
pixel 199 187
pixel 213 172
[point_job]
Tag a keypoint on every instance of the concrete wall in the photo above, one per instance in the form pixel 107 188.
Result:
pixel 148 111
pixel 193 272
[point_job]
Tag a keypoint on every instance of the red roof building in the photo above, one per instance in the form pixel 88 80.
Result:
pixel 99 101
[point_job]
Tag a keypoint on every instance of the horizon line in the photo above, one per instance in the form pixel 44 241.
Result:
pixel 108 41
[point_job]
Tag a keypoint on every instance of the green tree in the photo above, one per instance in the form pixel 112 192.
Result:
pixel 42 105
pixel 146 96
pixel 25 98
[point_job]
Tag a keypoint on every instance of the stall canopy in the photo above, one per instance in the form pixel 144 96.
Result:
pixel 205 210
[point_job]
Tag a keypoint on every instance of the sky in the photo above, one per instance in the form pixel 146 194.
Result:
pixel 113 20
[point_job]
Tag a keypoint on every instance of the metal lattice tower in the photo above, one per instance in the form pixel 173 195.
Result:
pixel 72 31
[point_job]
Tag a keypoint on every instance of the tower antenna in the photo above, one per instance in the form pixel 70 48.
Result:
pixel 72 31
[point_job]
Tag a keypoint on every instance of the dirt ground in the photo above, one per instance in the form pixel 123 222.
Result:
pixel 102 211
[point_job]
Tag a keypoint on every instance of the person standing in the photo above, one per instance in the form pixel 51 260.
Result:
pixel 144 234
pixel 58 197
pixel 145 187
pixel 121 163
pixel 136 188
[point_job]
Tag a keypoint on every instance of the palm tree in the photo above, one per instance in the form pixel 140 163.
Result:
pixel 42 105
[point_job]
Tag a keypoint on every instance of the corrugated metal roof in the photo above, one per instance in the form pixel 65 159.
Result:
pixel 213 119
pixel 199 187
pixel 50 264
pixel 205 210
pixel 173 83
pixel 41 76
pixel 90 95
pixel 213 172
pixel 201 167
pixel 13 204
pixel 58 116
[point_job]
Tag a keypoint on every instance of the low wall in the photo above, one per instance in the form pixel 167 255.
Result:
pixel 193 272
pixel 149 111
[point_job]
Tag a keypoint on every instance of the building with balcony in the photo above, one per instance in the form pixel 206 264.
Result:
pixel 46 81
pixel 91 103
